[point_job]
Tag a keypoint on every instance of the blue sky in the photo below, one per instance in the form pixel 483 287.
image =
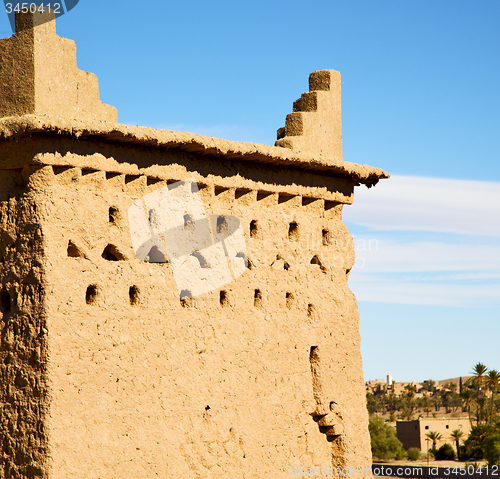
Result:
pixel 420 98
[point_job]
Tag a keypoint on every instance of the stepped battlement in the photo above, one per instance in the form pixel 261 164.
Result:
pixel 39 75
pixel 315 124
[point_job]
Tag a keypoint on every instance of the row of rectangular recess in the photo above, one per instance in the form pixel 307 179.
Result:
pixel 238 192
pixel 150 180
pixel 92 294
pixel 293 232
pixel 186 300
pixel 282 197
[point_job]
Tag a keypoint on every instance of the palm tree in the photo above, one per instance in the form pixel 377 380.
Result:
pixel 434 437
pixel 410 390
pixel 446 398
pixel 392 402
pixel 406 414
pixel 479 371
pixel 429 385
pixel 481 403
pixel 436 400
pixel 456 402
pixel 468 398
pixel 493 382
pixel 457 434
pixel 427 403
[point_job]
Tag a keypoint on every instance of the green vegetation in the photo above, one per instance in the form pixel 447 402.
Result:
pixel 478 396
pixel 457 434
pixel 482 443
pixel 385 444
pixel 444 453
pixel 484 439
pixel 413 454
pixel 493 383
pixel 491 448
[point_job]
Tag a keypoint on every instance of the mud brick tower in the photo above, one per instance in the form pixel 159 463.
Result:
pixel 109 369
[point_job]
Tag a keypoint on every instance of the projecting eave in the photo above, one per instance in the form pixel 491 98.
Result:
pixel 31 125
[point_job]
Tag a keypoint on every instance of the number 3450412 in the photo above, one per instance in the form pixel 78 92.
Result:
pixel 31 7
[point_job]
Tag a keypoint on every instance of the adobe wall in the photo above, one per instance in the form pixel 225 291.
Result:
pixel 155 386
pixel 107 370
pixel 445 427
pixel 251 379
pixel 23 334
pixel 408 433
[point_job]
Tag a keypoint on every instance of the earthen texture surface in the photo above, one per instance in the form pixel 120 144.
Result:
pixel 23 348
pixel 106 372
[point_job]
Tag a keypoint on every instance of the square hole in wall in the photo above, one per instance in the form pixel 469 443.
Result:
pixel 223 298
pixel 289 300
pixel 114 214
pixel 253 228
pixel 325 235
pixel 257 298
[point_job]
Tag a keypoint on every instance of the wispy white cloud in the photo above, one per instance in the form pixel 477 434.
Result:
pixel 458 263
pixel 377 289
pixel 393 256
pixel 410 203
pixel 427 273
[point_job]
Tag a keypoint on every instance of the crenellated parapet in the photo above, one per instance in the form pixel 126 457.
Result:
pixel 39 75
pixel 315 125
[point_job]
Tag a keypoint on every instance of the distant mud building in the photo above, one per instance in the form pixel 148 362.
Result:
pixel 110 365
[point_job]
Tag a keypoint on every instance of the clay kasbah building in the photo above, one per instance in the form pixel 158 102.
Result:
pixel 172 305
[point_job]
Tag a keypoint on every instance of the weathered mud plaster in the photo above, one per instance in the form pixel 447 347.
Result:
pixel 105 371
